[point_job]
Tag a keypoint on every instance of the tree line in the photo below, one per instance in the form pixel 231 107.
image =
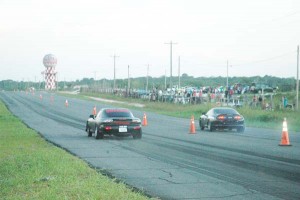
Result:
pixel 283 84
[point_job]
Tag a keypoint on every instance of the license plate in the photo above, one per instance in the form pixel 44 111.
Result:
pixel 122 129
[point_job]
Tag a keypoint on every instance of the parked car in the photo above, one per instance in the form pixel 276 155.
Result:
pixel 222 118
pixel 259 88
pixel 114 121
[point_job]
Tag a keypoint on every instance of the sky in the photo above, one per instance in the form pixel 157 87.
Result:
pixel 257 38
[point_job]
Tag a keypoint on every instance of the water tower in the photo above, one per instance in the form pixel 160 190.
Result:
pixel 50 62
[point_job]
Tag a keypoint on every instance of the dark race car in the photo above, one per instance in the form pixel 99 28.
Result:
pixel 114 121
pixel 222 118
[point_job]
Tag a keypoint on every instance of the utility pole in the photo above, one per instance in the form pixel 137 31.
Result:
pixel 171 44
pixel 95 77
pixel 33 84
pixel 103 83
pixel 227 85
pixel 115 56
pixel 165 79
pixel 227 76
pixel 147 79
pixel 297 84
pixel 128 85
pixel 178 72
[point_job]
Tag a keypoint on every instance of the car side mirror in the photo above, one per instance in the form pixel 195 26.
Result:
pixel 92 116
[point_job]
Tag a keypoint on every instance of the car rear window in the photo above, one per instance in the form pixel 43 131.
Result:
pixel 225 111
pixel 118 113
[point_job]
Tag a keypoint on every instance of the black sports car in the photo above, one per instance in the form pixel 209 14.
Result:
pixel 114 121
pixel 222 118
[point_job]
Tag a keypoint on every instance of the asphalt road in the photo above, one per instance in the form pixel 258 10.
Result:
pixel 168 162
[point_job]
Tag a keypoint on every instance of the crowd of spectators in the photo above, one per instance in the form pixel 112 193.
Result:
pixel 234 95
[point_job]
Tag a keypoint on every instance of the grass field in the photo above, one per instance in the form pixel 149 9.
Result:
pixel 253 117
pixel 31 168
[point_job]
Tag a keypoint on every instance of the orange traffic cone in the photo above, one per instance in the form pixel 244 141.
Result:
pixel 94 110
pixel 66 103
pixel 145 123
pixel 192 125
pixel 285 141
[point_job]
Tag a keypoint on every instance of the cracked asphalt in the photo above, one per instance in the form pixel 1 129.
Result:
pixel 168 162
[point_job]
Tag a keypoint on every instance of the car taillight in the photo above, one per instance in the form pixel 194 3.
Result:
pixel 238 117
pixel 221 117
pixel 108 128
pixel 137 128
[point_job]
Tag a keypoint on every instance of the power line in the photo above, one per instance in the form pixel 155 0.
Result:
pixel 241 64
pixel 286 15
pixel 267 59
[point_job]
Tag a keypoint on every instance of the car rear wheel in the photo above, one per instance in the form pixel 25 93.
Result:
pixel 138 135
pixel 240 129
pixel 88 130
pixel 201 126
pixel 98 134
pixel 211 128
pixel 90 133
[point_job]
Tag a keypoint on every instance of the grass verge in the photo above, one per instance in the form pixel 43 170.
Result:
pixel 31 168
